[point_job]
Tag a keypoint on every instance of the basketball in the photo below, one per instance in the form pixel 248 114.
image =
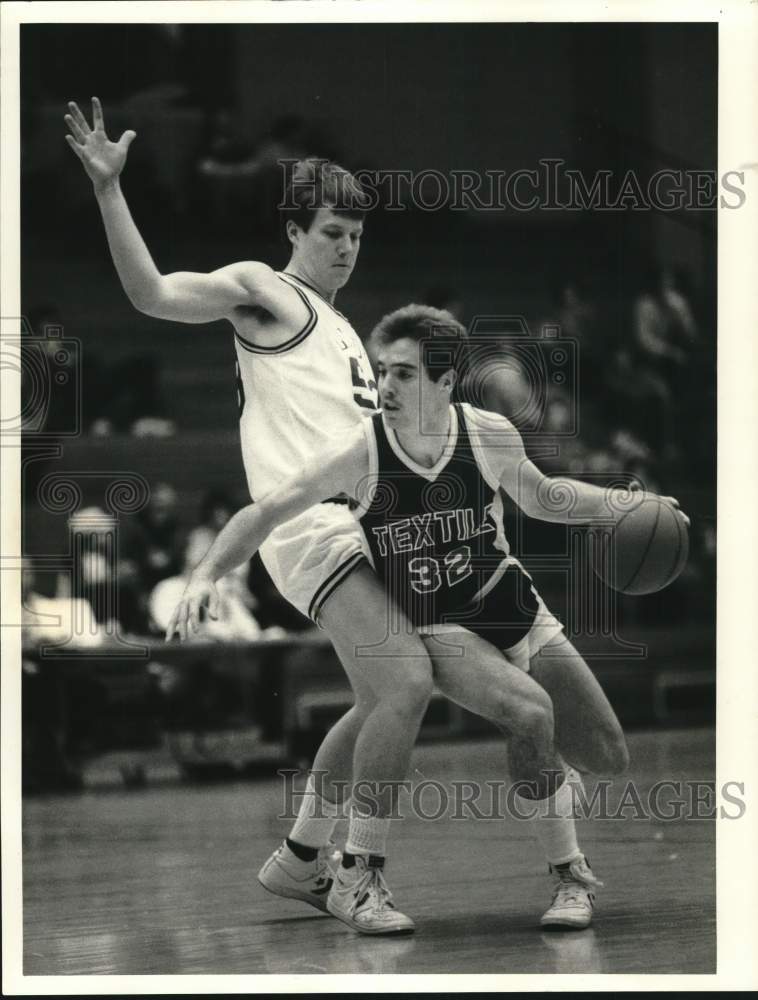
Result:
pixel 645 551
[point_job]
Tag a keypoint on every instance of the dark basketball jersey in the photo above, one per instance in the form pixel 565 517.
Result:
pixel 436 535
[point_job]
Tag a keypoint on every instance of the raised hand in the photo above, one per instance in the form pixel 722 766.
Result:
pixel 103 160
pixel 199 594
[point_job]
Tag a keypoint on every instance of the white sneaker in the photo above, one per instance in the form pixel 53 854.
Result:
pixel 286 875
pixel 361 899
pixel 573 898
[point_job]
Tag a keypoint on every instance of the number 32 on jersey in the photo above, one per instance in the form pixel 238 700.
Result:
pixel 427 575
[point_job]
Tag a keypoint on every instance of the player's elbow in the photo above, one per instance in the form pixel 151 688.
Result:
pixel 536 506
pixel 266 515
pixel 531 506
pixel 550 499
pixel 148 307
pixel 150 299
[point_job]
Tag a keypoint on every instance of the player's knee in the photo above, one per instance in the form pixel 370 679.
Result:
pixel 412 693
pixel 360 711
pixel 534 720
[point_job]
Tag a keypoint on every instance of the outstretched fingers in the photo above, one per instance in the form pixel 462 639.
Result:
pixel 178 623
pixel 76 131
pixel 97 115
pixel 79 118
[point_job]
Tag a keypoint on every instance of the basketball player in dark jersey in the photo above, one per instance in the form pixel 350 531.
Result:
pixel 428 479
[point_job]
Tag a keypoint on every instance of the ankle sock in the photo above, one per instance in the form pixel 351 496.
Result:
pixel 302 851
pixel 316 819
pixel 367 834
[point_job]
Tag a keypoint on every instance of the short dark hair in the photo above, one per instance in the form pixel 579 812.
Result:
pixel 315 184
pixel 441 336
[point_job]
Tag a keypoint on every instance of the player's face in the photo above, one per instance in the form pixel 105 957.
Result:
pixel 410 400
pixel 329 249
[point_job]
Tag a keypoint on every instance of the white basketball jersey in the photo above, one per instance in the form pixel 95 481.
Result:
pixel 296 396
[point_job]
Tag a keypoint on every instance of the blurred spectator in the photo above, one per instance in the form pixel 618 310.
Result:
pixel 235 623
pixel 55 620
pixel 226 167
pixel 216 509
pixel 647 382
pixel 252 584
pixel 664 325
pixel 677 296
pixel 242 180
pixel 576 313
pixel 106 579
pixel 288 138
pixel 638 398
pixel 156 543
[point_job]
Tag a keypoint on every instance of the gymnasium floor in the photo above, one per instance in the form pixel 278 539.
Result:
pixel 162 881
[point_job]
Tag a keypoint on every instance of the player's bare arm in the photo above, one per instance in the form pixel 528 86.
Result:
pixel 343 470
pixel 559 499
pixel 183 296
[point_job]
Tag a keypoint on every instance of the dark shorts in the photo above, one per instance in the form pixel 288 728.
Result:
pixel 511 615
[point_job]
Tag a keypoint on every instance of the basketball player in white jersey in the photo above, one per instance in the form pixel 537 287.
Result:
pixel 303 378
pixel 426 478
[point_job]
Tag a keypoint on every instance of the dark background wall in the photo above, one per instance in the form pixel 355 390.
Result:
pixel 484 97
pixel 478 97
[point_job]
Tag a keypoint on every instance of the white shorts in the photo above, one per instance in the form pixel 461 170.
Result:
pixel 310 556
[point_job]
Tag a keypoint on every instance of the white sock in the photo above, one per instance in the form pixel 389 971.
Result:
pixel 553 821
pixel 367 834
pixel 316 819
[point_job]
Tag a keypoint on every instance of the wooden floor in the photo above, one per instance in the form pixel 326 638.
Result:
pixel 162 881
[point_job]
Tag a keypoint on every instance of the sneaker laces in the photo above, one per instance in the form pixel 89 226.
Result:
pixel 572 880
pixel 327 860
pixel 371 884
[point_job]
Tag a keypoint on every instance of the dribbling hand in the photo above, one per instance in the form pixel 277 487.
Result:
pixel 103 160
pixel 675 504
pixel 636 486
pixel 199 594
